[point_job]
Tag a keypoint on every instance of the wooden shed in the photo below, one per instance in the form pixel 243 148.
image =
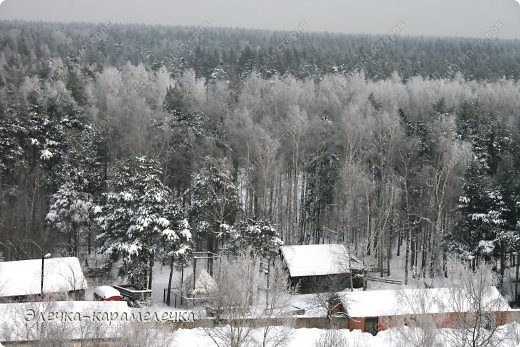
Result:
pixel 374 311
pixel 322 268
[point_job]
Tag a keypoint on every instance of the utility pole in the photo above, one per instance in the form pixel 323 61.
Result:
pixel 44 256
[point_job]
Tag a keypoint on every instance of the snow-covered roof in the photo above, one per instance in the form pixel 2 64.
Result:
pixel 377 303
pixel 106 292
pixel 318 260
pixel 23 277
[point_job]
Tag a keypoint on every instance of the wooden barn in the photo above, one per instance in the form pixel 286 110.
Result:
pixel 22 280
pixel 322 268
pixel 374 311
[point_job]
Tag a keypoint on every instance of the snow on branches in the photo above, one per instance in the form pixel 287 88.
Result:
pixel 214 201
pixel 71 212
pixel 140 220
pixel 260 237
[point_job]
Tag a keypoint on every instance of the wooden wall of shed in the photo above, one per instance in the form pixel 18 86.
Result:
pixel 321 323
pixel 329 283
pixel 441 320
pixel 385 323
pixel 356 323
pixel 502 318
pixel 513 316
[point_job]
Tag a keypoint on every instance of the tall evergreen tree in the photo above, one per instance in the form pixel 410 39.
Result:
pixel 140 212
pixel 214 203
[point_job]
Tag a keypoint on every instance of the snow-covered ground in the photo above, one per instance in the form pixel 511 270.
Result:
pixel 297 338
pixel 507 336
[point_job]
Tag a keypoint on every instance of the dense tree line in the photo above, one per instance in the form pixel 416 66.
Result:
pixel 219 53
pixel 391 165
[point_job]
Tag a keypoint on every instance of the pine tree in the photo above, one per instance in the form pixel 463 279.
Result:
pixel 481 209
pixel 71 213
pixel 214 202
pixel 138 216
pixel 258 236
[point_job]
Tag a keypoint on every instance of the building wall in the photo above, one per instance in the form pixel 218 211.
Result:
pixel 328 283
pixel 502 317
pixel 356 323
pixel 77 295
pixel 513 316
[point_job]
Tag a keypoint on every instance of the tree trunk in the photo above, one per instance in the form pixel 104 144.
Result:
pixel 424 254
pixel 399 243
pixel 303 223
pixel 517 273
pixel 369 229
pixel 380 253
pixel 89 240
pixel 407 254
pixel 389 250
pixel 170 281
pixel 279 213
pixel 294 222
pixel 288 198
pixel 502 264
pixel 150 272
pixel 413 250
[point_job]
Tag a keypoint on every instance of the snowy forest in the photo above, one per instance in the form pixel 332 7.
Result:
pixel 149 143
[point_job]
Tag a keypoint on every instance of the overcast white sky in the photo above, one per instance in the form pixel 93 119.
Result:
pixel 420 17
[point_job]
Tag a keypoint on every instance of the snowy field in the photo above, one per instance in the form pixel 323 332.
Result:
pixel 508 336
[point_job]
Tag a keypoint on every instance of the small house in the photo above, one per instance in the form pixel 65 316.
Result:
pixel 374 311
pixel 321 268
pixel 22 280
